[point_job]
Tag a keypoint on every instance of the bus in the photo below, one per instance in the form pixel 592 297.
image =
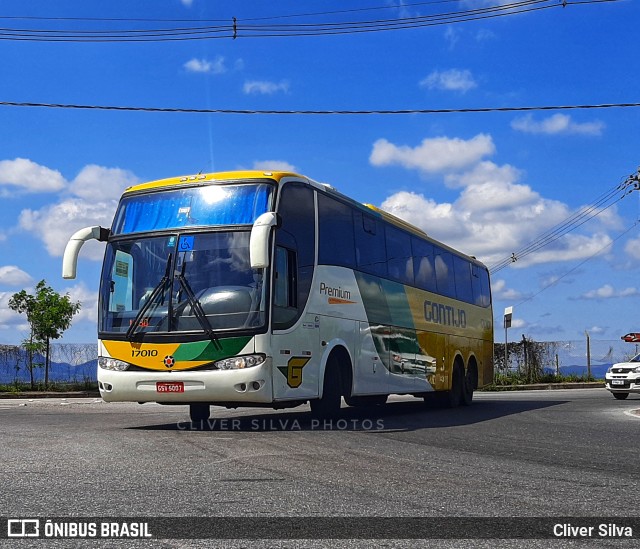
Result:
pixel 270 289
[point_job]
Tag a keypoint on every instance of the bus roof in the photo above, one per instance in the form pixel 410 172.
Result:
pixel 203 178
pixel 277 176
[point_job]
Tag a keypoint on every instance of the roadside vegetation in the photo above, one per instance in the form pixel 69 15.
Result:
pixel 49 314
pixel 19 387
pixel 502 381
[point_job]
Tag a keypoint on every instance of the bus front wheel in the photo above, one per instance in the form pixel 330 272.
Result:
pixel 329 404
pixel 199 412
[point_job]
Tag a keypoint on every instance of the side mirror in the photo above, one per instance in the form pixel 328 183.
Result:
pixel 259 240
pixel 71 251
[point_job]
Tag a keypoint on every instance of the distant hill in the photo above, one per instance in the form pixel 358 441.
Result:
pixel 69 362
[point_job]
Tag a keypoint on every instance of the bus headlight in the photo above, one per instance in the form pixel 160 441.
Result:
pixel 112 364
pixel 240 362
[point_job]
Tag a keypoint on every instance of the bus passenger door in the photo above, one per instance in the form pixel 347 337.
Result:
pixel 296 359
pixel 296 335
pixel 296 332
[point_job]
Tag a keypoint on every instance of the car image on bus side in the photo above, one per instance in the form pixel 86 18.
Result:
pixel 624 378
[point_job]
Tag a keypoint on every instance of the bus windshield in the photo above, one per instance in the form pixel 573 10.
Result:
pixel 204 206
pixel 181 283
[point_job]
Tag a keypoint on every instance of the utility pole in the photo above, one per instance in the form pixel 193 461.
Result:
pixel 588 355
pixel 508 314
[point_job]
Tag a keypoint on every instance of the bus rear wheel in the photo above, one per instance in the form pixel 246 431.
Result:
pixel 199 412
pixel 454 397
pixel 470 382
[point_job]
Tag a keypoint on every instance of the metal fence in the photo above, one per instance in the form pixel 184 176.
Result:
pixel 69 362
pixel 578 357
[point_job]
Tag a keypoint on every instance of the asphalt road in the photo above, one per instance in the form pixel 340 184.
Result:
pixel 564 453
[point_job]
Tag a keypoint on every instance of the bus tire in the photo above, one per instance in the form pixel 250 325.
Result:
pixel 329 404
pixel 367 400
pixel 199 412
pixel 620 396
pixel 453 398
pixel 470 382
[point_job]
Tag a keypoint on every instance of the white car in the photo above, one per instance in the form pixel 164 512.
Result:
pixel 624 378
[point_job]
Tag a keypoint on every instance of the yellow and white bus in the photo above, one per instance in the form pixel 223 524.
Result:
pixel 270 289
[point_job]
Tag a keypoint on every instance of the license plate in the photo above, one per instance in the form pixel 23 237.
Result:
pixel 170 387
pixel 617 382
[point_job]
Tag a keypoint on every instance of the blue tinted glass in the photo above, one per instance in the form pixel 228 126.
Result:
pixel 212 205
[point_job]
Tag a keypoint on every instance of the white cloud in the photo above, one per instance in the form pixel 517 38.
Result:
pixel 494 214
pixel 97 190
pixel 187 3
pixel 449 80
pixel 273 166
pixel 608 292
pixel 632 247
pixel 9 319
pixel 261 87
pixel 484 173
pixel 452 36
pixel 97 183
pixel 518 323
pixel 557 124
pixel 28 177
pixel 433 155
pixel 10 275
pixel 54 224
pixel 484 35
pixel 89 299
pixel 217 66
pixel 499 291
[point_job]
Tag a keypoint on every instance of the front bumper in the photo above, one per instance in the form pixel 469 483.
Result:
pixel 249 385
pixel 623 384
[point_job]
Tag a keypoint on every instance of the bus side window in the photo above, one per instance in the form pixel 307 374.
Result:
pixel 371 255
pixel 444 273
pixel 481 290
pixel 399 258
pixel 285 303
pixel 336 242
pixel 462 269
pixel 423 266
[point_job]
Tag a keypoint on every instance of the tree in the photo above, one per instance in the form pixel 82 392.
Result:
pixel 49 314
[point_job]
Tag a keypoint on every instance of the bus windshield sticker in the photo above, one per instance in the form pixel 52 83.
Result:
pixel 185 244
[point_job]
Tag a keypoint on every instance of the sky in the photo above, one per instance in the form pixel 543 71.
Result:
pixel 488 183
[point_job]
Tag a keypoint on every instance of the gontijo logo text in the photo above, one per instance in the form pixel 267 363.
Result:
pixel 446 315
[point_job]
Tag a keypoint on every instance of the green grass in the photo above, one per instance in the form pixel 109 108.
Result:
pixel 56 387
pixel 502 380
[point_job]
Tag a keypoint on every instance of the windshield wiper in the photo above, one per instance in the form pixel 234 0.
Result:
pixel 196 308
pixel 150 300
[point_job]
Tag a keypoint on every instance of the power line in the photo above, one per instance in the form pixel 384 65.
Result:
pixel 579 218
pixel 318 112
pixel 242 28
pixel 266 18
pixel 597 252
